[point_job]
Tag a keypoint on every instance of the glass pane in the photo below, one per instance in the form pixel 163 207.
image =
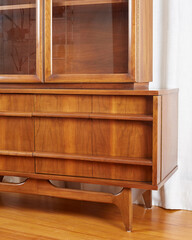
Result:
pixel 90 37
pixel 18 37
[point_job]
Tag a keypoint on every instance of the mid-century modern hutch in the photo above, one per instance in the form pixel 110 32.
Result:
pixel 75 103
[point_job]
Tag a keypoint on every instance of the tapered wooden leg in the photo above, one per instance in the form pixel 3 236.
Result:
pixel 124 202
pixel 147 197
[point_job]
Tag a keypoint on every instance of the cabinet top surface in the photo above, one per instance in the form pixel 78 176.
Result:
pixel 150 92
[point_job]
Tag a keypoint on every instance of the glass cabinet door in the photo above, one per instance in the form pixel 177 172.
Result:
pixel 86 41
pixel 21 41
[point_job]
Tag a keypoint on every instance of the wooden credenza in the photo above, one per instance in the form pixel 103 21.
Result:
pixel 72 100
pixel 125 138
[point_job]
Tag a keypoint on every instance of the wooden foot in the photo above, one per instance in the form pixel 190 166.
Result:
pixel 147 197
pixel 123 200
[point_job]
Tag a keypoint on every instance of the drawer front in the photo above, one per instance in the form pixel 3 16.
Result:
pixel 93 169
pixel 16 103
pixel 122 138
pixel 122 172
pixel 123 104
pixel 60 135
pixel 26 131
pixel 64 167
pixel 63 103
pixel 94 104
pixel 94 137
pixel 17 164
pixel 17 134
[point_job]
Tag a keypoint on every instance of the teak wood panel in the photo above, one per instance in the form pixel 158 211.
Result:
pixel 144 41
pixel 17 164
pixel 122 138
pixel 17 134
pixel 123 104
pixel 71 136
pixel 16 103
pixel 94 137
pixel 38 77
pixel 96 170
pixel 139 105
pixel 63 103
pixel 122 172
pixel 157 139
pixel 64 167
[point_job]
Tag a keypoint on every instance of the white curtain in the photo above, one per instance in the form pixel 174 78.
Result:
pixel 173 68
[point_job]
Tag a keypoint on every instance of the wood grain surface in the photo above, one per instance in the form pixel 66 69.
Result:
pixel 27 217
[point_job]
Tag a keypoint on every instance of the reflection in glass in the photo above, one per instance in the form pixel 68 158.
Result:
pixel 17 37
pixel 90 37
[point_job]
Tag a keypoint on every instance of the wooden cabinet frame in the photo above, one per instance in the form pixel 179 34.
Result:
pixel 142 132
pixel 24 78
pixel 139 48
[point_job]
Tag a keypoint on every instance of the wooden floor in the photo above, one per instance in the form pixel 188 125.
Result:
pixel 32 217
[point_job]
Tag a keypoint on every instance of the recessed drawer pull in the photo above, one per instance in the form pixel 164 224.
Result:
pixel 131 117
pixel 15 114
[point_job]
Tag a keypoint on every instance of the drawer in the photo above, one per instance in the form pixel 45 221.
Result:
pixel 131 139
pixel 122 138
pixel 64 167
pixel 17 164
pixel 80 168
pixel 122 172
pixel 63 103
pixel 123 104
pixel 17 134
pixel 60 135
pixel 16 103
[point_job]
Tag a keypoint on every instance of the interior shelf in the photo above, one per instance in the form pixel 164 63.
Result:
pixel 61 3
pixel 17 7
pixel 84 2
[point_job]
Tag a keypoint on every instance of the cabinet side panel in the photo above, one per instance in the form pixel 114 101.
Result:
pixel 156 139
pixel 169 133
pixel 144 40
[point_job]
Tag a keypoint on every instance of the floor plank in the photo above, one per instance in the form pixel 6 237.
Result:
pixel 44 218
